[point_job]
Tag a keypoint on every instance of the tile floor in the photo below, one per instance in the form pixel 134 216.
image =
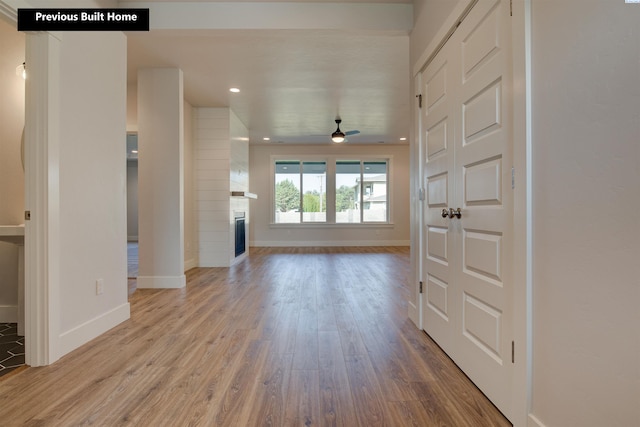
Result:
pixel 11 348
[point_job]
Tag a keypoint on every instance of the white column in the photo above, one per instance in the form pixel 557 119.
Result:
pixel 160 178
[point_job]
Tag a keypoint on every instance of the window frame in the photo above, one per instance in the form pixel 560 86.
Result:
pixel 330 161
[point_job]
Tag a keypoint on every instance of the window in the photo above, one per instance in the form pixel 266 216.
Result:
pixel 358 193
pixel 300 184
pixel 361 191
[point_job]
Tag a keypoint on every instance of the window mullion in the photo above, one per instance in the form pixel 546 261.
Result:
pixel 361 191
pixel 301 194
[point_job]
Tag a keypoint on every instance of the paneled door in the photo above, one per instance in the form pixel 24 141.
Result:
pixel 466 121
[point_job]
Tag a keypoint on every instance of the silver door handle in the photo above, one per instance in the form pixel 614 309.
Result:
pixel 457 213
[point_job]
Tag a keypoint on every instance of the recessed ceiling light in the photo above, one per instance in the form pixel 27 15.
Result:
pixel 234 90
pixel 266 138
pixel 134 151
pixel 403 139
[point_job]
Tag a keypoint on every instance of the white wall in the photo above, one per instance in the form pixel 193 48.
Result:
pixel 586 166
pixel 161 178
pixel 263 234
pixel 92 184
pixel 190 237
pixel 12 54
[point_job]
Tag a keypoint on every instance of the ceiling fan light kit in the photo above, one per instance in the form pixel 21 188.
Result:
pixel 338 136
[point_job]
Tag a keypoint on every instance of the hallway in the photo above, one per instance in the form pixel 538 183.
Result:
pixel 290 336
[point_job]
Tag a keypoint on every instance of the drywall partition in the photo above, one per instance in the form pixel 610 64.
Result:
pixel 190 235
pixel 92 178
pixel 12 51
pixel 221 166
pixel 264 233
pixel 160 178
pixel 586 181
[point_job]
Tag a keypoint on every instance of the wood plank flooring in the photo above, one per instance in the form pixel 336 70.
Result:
pixel 288 337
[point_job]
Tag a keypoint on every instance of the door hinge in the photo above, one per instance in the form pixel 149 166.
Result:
pixel 513 352
pixel 419 96
pixel 510 7
pixel 421 195
pixel 513 177
pixel 420 287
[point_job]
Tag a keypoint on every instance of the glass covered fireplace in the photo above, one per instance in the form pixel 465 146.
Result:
pixel 240 238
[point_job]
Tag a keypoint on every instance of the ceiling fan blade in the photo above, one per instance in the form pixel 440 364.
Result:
pixel 352 132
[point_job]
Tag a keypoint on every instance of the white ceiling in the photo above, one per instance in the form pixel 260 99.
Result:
pixel 293 81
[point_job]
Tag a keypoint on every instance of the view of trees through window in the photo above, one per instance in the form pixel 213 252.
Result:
pixel 360 192
pixel 300 184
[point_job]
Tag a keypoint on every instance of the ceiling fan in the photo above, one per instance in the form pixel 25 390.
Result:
pixel 339 136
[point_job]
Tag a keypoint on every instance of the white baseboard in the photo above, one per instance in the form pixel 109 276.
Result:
pixel 414 314
pixel 8 313
pixel 161 282
pixel 327 243
pixel 189 264
pixel 534 422
pixel 239 258
pixel 89 330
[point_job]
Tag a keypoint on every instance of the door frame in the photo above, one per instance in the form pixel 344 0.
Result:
pixel 522 195
pixel 41 156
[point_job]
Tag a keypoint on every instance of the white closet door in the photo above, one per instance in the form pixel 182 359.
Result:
pixel 440 311
pixel 468 299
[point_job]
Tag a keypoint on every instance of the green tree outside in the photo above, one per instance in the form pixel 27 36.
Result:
pixel 345 198
pixel 311 202
pixel 287 196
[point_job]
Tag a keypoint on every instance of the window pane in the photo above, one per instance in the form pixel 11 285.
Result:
pixel 287 192
pixel 347 183
pixel 374 187
pixel 314 187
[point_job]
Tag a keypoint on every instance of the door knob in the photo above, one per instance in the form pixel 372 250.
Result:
pixel 445 213
pixel 454 212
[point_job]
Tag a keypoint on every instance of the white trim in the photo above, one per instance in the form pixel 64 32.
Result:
pixel 532 421
pixel 440 36
pixel 240 257
pixel 522 212
pixel 161 282
pixel 416 211
pixel 8 12
pixel 8 313
pixel 414 313
pixel 326 243
pixel 90 329
pixel 350 225
pixel 42 238
pixel 189 264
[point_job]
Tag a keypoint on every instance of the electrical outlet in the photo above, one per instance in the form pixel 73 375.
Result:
pixel 99 286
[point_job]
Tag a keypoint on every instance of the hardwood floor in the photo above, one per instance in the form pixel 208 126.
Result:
pixel 289 337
